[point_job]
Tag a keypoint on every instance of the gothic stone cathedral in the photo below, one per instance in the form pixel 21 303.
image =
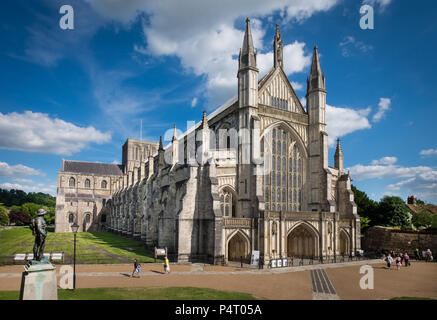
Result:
pixel 253 175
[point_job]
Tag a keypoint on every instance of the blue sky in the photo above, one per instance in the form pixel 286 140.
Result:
pixel 79 94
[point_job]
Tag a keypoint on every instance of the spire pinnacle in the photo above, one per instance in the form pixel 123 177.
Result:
pixel 247 53
pixel 204 120
pixel 175 137
pixel 160 148
pixel 277 49
pixel 316 79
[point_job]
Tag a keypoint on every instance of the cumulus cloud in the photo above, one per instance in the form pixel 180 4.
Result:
pixel 383 107
pixel 51 189
pixel 419 180
pixel 17 170
pixel 428 152
pixel 342 121
pixel 209 45
pixel 37 132
pixel 382 4
pixel 297 86
pixel 385 160
pixel 350 44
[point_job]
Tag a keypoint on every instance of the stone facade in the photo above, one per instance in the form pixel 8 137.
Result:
pixel 252 175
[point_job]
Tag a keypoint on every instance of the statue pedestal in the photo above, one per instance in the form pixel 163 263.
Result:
pixel 38 281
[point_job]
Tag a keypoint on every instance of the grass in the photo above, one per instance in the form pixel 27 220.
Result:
pixel 91 247
pixel 411 298
pixel 141 293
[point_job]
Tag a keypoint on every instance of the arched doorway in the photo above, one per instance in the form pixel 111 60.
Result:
pixel 302 241
pixel 238 247
pixel 344 243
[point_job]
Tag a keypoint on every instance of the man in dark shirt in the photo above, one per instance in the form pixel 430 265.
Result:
pixel 135 267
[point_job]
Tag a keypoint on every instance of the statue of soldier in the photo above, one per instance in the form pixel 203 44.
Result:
pixel 38 226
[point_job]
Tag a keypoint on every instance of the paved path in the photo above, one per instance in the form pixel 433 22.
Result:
pixel 322 286
pixel 328 281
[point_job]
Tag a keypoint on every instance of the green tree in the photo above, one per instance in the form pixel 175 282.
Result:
pixel 365 224
pixel 30 209
pixel 366 207
pixel 4 219
pixel 394 213
pixel 434 222
pixel 422 219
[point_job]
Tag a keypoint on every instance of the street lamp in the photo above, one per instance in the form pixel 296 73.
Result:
pixel 74 228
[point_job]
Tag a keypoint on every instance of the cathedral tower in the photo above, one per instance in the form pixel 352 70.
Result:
pixel 248 105
pixel 318 138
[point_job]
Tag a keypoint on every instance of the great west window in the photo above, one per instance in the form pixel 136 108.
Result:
pixel 283 177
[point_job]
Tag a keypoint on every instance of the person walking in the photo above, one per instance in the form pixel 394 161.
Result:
pixel 407 259
pixel 417 254
pixel 139 270
pixel 135 267
pixel 398 262
pixel 166 265
pixel 389 260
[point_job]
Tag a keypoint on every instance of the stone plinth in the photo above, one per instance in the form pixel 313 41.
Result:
pixel 38 282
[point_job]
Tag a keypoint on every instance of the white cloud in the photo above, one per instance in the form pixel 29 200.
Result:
pixel 383 107
pixel 342 121
pixel 37 132
pixel 17 170
pixel 349 44
pixel 297 86
pixel 209 44
pixel 385 160
pixel 194 102
pixel 428 152
pixel 419 180
pixel 29 188
pixel 382 4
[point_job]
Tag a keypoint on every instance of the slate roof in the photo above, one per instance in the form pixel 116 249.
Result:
pixel 92 168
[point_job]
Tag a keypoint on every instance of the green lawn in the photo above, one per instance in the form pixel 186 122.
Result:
pixel 411 298
pixel 91 247
pixel 139 293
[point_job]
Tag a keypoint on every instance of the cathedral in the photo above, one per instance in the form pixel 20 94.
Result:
pixel 251 176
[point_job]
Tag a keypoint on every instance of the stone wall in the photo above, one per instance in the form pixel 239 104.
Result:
pixel 383 238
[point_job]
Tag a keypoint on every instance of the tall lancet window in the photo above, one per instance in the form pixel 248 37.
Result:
pixel 226 203
pixel 283 164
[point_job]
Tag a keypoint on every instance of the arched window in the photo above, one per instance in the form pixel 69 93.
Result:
pixel 283 177
pixel 70 218
pixel 104 184
pixel 71 182
pixel 87 218
pixel 226 204
pixel 103 218
pixel 87 183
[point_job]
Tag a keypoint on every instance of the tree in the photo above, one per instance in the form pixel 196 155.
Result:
pixel 365 224
pixel 394 212
pixel 366 206
pixel 4 219
pixel 422 219
pixel 30 209
pixel 18 217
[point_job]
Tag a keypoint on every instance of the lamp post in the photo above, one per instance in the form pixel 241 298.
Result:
pixel 74 228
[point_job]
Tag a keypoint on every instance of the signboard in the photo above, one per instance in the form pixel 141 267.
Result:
pixel 255 258
pixel 273 263
pixel 160 252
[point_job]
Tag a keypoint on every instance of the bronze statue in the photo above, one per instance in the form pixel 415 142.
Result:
pixel 38 226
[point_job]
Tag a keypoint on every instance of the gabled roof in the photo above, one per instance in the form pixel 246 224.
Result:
pixel 92 168
pixel 265 79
